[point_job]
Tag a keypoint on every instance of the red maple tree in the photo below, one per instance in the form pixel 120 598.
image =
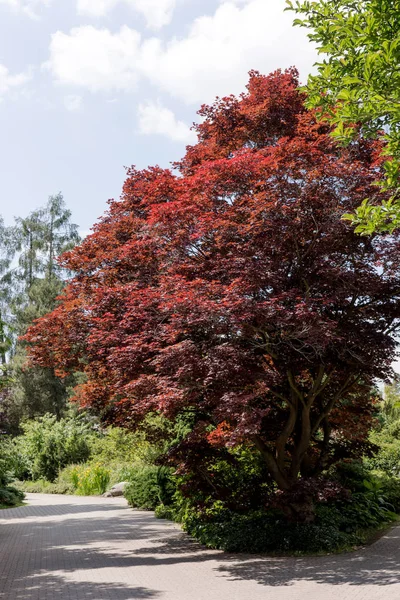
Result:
pixel 234 288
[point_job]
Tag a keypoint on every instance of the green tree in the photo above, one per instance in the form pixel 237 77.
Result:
pixel 5 339
pixel 33 285
pixel 6 255
pixel 60 234
pixel 28 235
pixel 41 237
pixel 35 390
pixel 358 81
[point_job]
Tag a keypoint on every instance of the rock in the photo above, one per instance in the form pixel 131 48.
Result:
pixel 116 490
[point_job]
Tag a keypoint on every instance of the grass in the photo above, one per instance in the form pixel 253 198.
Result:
pixel 41 486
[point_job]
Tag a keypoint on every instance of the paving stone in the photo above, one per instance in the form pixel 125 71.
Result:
pixel 75 548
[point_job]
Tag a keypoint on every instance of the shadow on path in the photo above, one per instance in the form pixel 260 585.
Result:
pixel 107 550
pixel 378 564
pixel 372 566
pixel 57 587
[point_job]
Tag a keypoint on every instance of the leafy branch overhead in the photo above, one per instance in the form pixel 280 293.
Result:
pixel 358 81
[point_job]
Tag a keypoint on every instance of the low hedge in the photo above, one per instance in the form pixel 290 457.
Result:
pixel 150 486
pixel 10 496
pixel 336 527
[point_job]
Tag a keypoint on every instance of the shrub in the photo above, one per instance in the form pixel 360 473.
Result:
pixel 337 526
pixel 166 512
pixel 150 486
pixel 5 463
pixel 389 489
pixel 93 478
pixel 70 475
pixel 10 496
pixel 388 458
pixel 42 486
pixel 358 477
pixel 116 445
pixel 264 532
pixel 90 479
pixel 387 440
pixel 351 474
pixel 49 445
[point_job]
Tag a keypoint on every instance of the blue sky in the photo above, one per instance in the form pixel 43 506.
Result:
pixel 90 86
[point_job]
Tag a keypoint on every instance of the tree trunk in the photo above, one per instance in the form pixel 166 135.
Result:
pixel 301 510
pixel 3 354
pixel 30 265
pixel 51 247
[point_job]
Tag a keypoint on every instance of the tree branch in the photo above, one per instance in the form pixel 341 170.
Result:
pixel 271 462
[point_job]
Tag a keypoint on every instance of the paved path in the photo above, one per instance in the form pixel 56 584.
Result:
pixel 70 548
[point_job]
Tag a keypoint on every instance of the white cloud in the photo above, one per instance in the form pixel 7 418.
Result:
pixel 95 58
pixel 156 12
pixel 8 81
pixel 29 7
pixel 212 59
pixel 73 103
pixel 155 119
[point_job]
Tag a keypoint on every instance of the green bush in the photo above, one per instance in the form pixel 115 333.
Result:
pixel 391 492
pixel 10 496
pixel 336 527
pixel 93 478
pixel 150 486
pixel 358 476
pixel 389 489
pixel 393 429
pixel 116 445
pixel 263 532
pixel 351 474
pixel 388 457
pixel 5 463
pixel 387 439
pixel 166 512
pixel 90 479
pixel 42 486
pixel 49 445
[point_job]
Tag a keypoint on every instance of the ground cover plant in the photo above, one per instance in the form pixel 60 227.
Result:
pixel 233 297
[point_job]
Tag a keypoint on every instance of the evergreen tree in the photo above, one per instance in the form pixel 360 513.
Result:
pixel 6 254
pixel 30 281
pixel 60 234
pixel 41 237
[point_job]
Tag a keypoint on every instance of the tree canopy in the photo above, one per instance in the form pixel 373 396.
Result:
pixel 233 289
pixel 358 81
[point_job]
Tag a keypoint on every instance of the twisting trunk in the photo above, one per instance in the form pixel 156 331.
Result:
pixel 288 458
